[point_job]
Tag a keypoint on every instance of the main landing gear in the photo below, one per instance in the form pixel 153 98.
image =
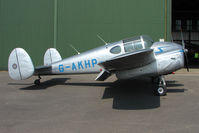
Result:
pixel 37 81
pixel 162 88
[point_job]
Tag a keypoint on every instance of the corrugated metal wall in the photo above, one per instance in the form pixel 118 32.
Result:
pixel 36 25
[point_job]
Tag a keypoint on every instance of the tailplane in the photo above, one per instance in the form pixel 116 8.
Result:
pixel 20 65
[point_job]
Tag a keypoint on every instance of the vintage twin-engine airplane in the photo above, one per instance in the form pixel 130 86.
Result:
pixel 129 58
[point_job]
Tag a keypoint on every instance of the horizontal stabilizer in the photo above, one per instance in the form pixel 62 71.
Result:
pixel 20 65
pixel 43 70
pixel 51 56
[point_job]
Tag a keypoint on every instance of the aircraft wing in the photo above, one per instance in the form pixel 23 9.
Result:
pixel 129 60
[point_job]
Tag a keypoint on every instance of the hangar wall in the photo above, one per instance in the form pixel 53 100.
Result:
pixel 36 25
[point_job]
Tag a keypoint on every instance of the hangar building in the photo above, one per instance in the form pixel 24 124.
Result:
pixel 36 25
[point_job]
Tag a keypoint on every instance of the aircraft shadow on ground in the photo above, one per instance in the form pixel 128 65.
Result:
pixel 126 95
pixel 129 94
pixel 100 84
pixel 132 95
pixel 172 84
pixel 47 84
pixel 136 94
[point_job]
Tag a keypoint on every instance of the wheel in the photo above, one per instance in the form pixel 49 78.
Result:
pixel 161 91
pixel 37 82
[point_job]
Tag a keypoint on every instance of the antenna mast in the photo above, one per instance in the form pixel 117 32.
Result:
pixel 102 39
pixel 74 49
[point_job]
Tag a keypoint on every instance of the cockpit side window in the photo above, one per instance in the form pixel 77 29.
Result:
pixel 128 47
pixel 132 46
pixel 138 45
pixel 115 50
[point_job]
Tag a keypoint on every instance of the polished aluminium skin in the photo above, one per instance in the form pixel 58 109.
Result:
pixel 129 58
pixel 168 60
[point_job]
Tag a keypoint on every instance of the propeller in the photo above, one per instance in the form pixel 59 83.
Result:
pixel 185 51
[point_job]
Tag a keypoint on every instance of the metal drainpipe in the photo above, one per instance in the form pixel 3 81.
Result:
pixel 55 24
pixel 165 34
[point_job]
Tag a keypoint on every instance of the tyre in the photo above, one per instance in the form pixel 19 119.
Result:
pixel 37 82
pixel 161 91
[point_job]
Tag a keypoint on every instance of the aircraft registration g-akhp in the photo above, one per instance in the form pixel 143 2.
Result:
pixel 130 58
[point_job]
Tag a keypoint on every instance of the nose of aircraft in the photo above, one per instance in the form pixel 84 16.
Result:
pixel 185 51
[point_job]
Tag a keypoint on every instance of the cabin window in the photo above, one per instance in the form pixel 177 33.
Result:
pixel 132 46
pixel 116 50
pixel 128 47
pixel 138 45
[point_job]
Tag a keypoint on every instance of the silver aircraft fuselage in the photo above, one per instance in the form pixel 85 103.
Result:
pixel 169 57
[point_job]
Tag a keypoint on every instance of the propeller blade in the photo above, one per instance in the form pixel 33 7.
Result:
pixel 186 61
pixel 185 52
pixel 183 44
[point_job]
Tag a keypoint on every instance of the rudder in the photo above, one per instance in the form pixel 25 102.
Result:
pixel 51 55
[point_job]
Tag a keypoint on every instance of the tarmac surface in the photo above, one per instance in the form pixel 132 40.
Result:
pixel 78 104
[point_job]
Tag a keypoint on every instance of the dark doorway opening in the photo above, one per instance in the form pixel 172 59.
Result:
pixel 185 16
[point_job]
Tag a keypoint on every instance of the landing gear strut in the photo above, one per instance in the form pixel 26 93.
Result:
pixel 162 88
pixel 37 81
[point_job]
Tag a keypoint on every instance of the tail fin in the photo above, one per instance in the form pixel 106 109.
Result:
pixel 51 56
pixel 20 65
